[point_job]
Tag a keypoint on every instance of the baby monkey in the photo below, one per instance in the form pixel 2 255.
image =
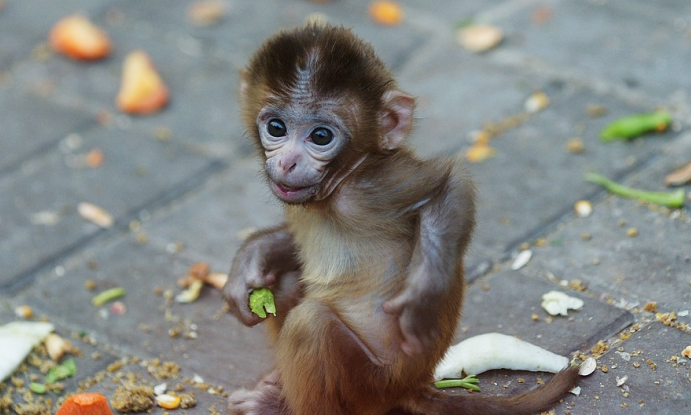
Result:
pixel 367 268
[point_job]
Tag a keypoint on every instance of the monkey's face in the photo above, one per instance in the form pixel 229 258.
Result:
pixel 299 144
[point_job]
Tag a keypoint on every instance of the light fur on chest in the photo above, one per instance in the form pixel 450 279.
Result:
pixel 333 253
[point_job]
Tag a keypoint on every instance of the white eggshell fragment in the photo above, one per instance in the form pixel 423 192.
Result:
pixel 587 367
pixel 496 351
pixel 558 303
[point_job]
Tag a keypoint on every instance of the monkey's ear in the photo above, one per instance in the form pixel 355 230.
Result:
pixel 396 119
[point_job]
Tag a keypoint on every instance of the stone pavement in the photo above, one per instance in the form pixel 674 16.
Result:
pixel 183 186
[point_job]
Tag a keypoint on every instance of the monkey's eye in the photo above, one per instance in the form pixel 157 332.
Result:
pixel 321 136
pixel 276 128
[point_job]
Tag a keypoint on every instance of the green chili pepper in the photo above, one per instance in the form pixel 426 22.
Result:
pixel 670 199
pixel 107 295
pixel 468 382
pixel 632 126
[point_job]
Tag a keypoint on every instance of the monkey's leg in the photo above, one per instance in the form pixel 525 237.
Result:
pixel 326 368
pixel 264 399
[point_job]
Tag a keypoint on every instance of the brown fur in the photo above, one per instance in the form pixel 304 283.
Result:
pixel 368 271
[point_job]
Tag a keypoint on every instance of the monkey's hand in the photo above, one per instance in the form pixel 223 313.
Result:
pixel 412 307
pixel 261 262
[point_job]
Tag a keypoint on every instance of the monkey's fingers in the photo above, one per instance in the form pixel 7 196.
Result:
pixel 237 298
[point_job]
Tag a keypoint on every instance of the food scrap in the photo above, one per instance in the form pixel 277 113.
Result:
pixel 583 208
pixel 521 259
pixel 669 199
pixel 85 403
pixel 385 12
pixel 62 371
pixel 108 295
pixel 479 37
pixel 633 126
pixel 23 311
pixel 686 352
pixel 588 366
pixel 95 214
pixel 469 382
pixel 16 341
pixel 75 36
pixel 56 347
pixel 191 294
pixel 167 401
pixel 207 12
pixel 130 397
pixel 497 351
pixel 479 152
pixel 558 303
pixel 575 145
pixel 536 102
pixel 262 302
pixel 201 271
pixel 199 274
pixel 680 176
pixel 142 91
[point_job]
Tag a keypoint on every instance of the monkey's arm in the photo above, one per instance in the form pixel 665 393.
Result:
pixel 446 222
pixel 262 261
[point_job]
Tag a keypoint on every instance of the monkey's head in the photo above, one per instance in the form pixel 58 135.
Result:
pixel 318 102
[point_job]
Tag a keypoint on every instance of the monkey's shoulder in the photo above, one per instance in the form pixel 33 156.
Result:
pixel 401 181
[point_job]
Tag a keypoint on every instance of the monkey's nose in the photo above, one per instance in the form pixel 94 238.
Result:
pixel 285 167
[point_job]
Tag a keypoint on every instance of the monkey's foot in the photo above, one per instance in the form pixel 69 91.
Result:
pixel 264 399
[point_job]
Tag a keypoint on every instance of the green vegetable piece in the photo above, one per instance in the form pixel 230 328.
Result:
pixel 670 199
pixel 262 302
pixel 64 370
pixel 469 382
pixel 632 126
pixel 38 388
pixel 108 295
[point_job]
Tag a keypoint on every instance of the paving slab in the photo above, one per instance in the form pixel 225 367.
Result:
pixel 192 194
pixel 634 45
pixel 199 336
pixel 654 377
pixel 25 25
pixel 40 221
pixel 652 265
pixel 203 103
pixel 32 126
pixel 211 226
pixel 532 172
pixel 505 302
pixel 102 368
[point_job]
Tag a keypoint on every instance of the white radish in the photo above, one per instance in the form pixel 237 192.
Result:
pixel 16 341
pixel 497 351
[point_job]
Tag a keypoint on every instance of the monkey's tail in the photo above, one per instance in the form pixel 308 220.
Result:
pixel 534 401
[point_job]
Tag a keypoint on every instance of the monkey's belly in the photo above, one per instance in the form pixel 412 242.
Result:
pixel 377 331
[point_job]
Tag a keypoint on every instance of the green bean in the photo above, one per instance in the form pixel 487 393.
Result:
pixel 632 126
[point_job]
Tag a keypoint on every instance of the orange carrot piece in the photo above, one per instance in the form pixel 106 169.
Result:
pixel 76 37
pixel 87 403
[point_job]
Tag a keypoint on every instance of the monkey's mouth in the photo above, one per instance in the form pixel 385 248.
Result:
pixel 290 194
